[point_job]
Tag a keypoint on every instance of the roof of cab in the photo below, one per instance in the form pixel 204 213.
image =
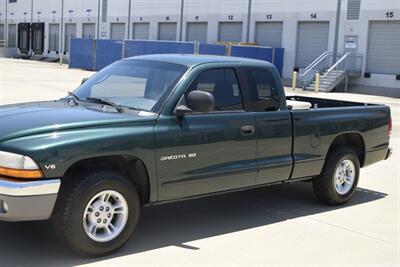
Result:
pixel 191 60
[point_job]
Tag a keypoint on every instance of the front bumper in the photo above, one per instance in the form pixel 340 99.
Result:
pixel 27 201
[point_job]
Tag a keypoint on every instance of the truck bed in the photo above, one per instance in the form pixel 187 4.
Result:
pixel 327 103
pixel 316 128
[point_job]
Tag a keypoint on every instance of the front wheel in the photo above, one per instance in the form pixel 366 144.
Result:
pixel 97 214
pixel 339 177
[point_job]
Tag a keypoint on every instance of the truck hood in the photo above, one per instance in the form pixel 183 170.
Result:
pixel 26 119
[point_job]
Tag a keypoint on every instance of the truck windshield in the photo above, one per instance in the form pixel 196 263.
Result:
pixel 135 84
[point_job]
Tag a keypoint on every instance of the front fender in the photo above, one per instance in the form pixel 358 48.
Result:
pixel 55 152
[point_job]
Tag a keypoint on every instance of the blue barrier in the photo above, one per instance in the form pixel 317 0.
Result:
pixel 273 55
pixel 82 54
pixel 212 49
pixel 96 54
pixel 107 51
pixel 256 52
pixel 141 47
pixel 278 59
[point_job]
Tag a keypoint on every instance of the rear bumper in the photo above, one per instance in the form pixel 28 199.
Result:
pixel 389 153
pixel 27 201
pixel 377 155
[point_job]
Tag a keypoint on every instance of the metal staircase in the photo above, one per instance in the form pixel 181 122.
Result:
pixel 332 70
pixel 328 81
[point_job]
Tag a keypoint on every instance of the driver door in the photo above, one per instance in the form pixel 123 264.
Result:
pixel 207 152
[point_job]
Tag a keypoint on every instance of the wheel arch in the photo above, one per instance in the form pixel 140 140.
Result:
pixel 130 166
pixel 351 140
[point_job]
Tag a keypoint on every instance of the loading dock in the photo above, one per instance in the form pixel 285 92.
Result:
pixel 88 30
pixel 196 31
pixel 24 37
pixel 141 30
pixel 167 31
pixel 117 31
pixel 12 35
pixel 70 32
pixel 383 55
pixel 269 33
pixel 2 35
pixel 230 31
pixel 312 41
pixel 37 37
pixel 54 37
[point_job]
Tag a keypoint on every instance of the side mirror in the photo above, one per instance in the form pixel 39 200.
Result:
pixel 196 101
pixel 84 80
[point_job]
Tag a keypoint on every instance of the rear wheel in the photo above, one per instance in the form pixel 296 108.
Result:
pixel 339 177
pixel 97 214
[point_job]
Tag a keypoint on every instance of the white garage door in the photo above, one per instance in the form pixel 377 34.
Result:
pixel 269 34
pixel 230 31
pixel 383 54
pixel 12 35
pixel 117 31
pixel 70 32
pixel 312 41
pixel 141 30
pixel 88 30
pixel 54 36
pixel 197 31
pixel 167 31
pixel 1 34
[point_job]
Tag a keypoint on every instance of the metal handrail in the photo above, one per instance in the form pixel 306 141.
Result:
pixel 310 70
pixel 316 61
pixel 336 64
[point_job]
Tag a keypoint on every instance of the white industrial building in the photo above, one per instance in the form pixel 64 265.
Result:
pixel 369 29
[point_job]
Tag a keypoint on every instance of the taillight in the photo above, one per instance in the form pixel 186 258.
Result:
pixel 390 127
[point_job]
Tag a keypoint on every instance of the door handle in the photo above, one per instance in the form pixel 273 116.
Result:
pixel 247 130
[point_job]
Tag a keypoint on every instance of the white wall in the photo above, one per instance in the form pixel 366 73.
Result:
pixel 157 11
pixel 48 11
pixel 2 11
pixel 213 12
pixel 370 10
pixel 290 12
pixel 80 11
pixel 19 12
pixel 117 12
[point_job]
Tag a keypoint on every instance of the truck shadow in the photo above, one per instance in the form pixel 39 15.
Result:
pixel 34 243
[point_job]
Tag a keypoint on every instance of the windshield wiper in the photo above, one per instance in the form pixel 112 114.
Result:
pixel 104 101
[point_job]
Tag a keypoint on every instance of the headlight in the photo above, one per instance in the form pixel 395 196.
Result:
pixel 18 166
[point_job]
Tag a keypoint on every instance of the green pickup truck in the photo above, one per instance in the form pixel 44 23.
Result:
pixel 159 128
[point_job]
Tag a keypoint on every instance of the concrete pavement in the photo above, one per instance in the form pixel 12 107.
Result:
pixel 277 225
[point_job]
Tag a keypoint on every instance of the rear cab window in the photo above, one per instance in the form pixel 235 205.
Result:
pixel 260 92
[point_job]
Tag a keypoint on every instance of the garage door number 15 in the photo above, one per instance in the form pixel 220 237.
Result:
pixel 389 14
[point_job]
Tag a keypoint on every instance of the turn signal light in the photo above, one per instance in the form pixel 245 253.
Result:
pixel 24 174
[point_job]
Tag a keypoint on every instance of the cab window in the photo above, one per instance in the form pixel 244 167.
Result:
pixel 261 93
pixel 224 86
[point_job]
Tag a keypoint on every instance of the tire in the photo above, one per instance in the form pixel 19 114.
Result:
pixel 327 186
pixel 71 225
